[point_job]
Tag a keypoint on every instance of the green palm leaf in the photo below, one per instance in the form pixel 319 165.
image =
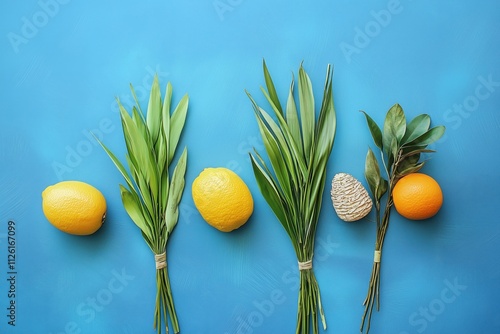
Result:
pixel 298 148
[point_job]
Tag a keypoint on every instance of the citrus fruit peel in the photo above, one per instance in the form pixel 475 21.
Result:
pixel 222 198
pixel 74 207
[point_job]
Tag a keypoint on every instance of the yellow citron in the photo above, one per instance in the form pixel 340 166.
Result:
pixel 74 207
pixel 222 198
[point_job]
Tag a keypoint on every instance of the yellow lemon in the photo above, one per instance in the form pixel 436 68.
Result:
pixel 74 207
pixel 222 198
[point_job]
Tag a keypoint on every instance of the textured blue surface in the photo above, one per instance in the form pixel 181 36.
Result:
pixel 64 62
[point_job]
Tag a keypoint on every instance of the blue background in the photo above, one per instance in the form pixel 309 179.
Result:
pixel 64 62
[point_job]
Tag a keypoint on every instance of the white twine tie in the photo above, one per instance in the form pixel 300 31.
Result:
pixel 376 256
pixel 161 260
pixel 305 265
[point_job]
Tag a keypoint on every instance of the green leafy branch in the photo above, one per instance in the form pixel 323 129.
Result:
pixel 401 145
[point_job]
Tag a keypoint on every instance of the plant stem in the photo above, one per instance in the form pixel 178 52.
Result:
pixel 373 295
pixel 309 304
pixel 164 302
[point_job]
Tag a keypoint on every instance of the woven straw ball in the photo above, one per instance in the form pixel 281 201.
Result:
pixel 350 199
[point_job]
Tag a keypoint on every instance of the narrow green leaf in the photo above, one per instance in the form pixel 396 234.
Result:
pixel 326 129
pixel 417 127
pixel 382 188
pixel 394 127
pixel 410 169
pixel 165 187
pixel 258 158
pixel 327 123
pixel 307 112
pixel 152 168
pixel 134 95
pixel 372 175
pixel 117 163
pixel 167 101
pixel 271 89
pixel 175 192
pixel 407 162
pixel 374 130
pixel 139 152
pixel 408 149
pixel 289 219
pixel 315 193
pixel 269 191
pixel 277 111
pixel 141 126
pixel 147 195
pixel 292 119
pixel 287 145
pixel 428 137
pixel 133 209
pixel 394 151
pixel 372 171
pixel 293 160
pixel 277 158
pixel 133 169
pixel 415 152
pixel 126 138
pixel 177 124
pixel 136 145
pixel 161 148
pixel 267 122
pixel 153 117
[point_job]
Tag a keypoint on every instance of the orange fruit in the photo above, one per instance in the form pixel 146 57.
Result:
pixel 74 207
pixel 222 198
pixel 417 196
